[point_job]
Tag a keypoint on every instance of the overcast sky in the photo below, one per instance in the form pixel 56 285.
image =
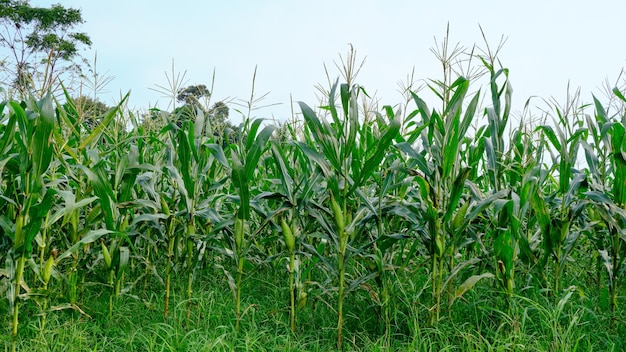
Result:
pixel 548 44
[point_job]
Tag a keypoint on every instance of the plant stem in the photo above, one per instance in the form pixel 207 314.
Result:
pixel 18 284
pixel 111 282
pixel 292 297
pixel 436 272
pixel 190 230
pixel 615 273
pixel 439 284
pixel 240 224
pixel 556 276
pixel 168 266
pixel 342 273
pixel 238 293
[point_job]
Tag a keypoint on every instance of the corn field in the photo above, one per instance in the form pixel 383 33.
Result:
pixel 349 202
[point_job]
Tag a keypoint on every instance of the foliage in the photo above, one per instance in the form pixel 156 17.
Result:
pixel 365 227
pixel 36 34
pixel 91 109
pixel 192 94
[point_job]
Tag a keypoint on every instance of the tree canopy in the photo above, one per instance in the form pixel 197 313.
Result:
pixel 193 94
pixel 34 36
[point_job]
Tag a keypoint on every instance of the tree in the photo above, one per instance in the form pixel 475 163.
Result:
pixel 217 115
pixel 221 126
pixel 37 36
pixel 192 94
pixel 90 110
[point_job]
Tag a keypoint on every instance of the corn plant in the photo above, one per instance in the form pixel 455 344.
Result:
pixel 29 129
pixel 296 186
pixel 512 168
pixel 558 224
pixel 288 230
pixel 77 151
pixel 244 162
pixel 506 233
pixel 527 176
pixel 608 199
pixel 191 158
pixel 442 178
pixel 347 166
pixel 116 217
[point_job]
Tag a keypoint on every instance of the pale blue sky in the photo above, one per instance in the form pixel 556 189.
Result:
pixel 548 43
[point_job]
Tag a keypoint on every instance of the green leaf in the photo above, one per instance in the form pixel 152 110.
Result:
pixel 549 132
pixel 284 171
pixel 185 157
pixel 252 132
pixel 322 133
pixel 423 109
pixel 98 130
pixel 608 264
pixel 482 205
pixel 199 125
pixel 351 111
pixel 121 259
pixel 256 150
pixel 331 103
pixel 598 197
pixel 316 157
pixel 456 193
pixel 619 94
pixel 240 181
pixel 419 159
pixel 374 161
pixel 218 153
pixel 90 237
pixel 41 149
pixel 22 123
pixel 469 283
pixel 344 94
pixel 492 160
pixel 458 269
pixel 8 132
pixel 469 114
pixel 104 192
pixel 453 109
pixel 504 249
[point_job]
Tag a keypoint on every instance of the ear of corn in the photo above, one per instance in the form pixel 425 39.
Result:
pixel 290 240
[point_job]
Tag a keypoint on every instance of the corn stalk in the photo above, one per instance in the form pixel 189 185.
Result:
pixel 347 166
pixel 608 199
pixel 30 130
pixel 244 162
pixel 558 211
pixel 443 183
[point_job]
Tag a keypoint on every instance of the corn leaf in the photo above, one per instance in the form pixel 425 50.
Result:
pixel 104 192
pixel 98 130
pixel 90 237
pixel 469 283
pixel 256 150
pixel 184 156
pixel 374 161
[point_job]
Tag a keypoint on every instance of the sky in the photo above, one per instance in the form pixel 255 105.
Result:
pixel 549 44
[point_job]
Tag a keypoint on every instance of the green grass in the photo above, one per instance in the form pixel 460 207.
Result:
pixel 477 323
